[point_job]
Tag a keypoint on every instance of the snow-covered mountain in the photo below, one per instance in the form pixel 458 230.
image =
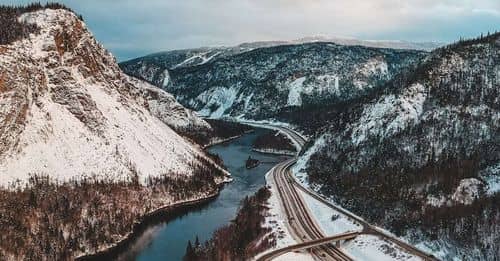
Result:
pixel 262 82
pixel 154 68
pixel 392 44
pixel 407 139
pixel 68 111
pixel 421 157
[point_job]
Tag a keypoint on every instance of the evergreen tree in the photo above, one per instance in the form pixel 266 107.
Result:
pixel 190 254
pixel 197 242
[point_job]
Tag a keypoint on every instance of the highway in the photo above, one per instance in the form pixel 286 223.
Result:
pixel 302 224
pixel 300 221
pixel 305 245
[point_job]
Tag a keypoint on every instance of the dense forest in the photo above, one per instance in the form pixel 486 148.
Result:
pixel 220 130
pixel 64 219
pixel 242 239
pixel 273 141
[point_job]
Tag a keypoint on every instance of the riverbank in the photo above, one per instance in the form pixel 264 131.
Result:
pixel 169 212
pixel 230 242
pixel 168 241
pixel 275 152
pixel 162 214
pixel 218 141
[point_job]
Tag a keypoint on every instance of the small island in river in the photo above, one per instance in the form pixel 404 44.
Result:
pixel 251 163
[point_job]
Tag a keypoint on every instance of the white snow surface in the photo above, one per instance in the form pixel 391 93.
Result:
pixel 296 87
pixel 323 215
pixel 166 78
pixel 373 248
pixel 467 191
pixel 320 84
pixel 220 97
pixel 202 56
pixel 491 177
pixel 129 138
pixel 299 169
pixel 390 114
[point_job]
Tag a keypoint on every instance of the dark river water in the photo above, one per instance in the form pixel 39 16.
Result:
pixel 168 241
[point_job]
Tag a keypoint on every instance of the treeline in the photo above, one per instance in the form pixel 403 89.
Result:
pixel 482 38
pixel 273 140
pixel 49 220
pixel 242 239
pixel 391 188
pixel 220 130
pixel 12 30
pixel 397 200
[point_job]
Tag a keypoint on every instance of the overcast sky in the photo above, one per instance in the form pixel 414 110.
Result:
pixel 135 28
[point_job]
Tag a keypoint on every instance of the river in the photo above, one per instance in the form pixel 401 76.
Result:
pixel 168 241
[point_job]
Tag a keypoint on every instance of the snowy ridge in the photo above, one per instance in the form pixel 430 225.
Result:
pixel 424 149
pixel 262 80
pixel 83 116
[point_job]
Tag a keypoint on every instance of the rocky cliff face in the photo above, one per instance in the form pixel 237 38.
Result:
pixel 421 157
pixel 69 111
pixel 82 145
pixel 261 82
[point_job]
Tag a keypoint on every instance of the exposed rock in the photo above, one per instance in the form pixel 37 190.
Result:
pixel 68 111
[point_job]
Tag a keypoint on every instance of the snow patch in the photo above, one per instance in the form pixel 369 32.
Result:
pixel 166 78
pixel 331 222
pixel 467 191
pixel 491 177
pixel 390 114
pixel 328 83
pixel 370 247
pixel 299 169
pixel 296 88
pixel 201 56
pixel 220 98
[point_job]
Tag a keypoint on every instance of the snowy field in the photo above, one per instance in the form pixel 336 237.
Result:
pixel 330 221
pixel 370 247
pixel 294 256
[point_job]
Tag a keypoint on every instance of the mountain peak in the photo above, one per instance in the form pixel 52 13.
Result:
pixel 68 110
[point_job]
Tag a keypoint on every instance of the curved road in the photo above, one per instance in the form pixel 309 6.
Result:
pixel 303 226
pixel 300 221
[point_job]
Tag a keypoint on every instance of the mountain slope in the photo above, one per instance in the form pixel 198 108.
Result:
pixel 86 152
pixel 262 82
pixel 421 157
pixel 154 68
pixel 69 111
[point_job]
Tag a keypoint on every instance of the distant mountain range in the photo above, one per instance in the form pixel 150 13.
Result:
pixel 260 82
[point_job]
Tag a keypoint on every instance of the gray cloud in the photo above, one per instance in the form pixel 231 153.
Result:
pixel 133 28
